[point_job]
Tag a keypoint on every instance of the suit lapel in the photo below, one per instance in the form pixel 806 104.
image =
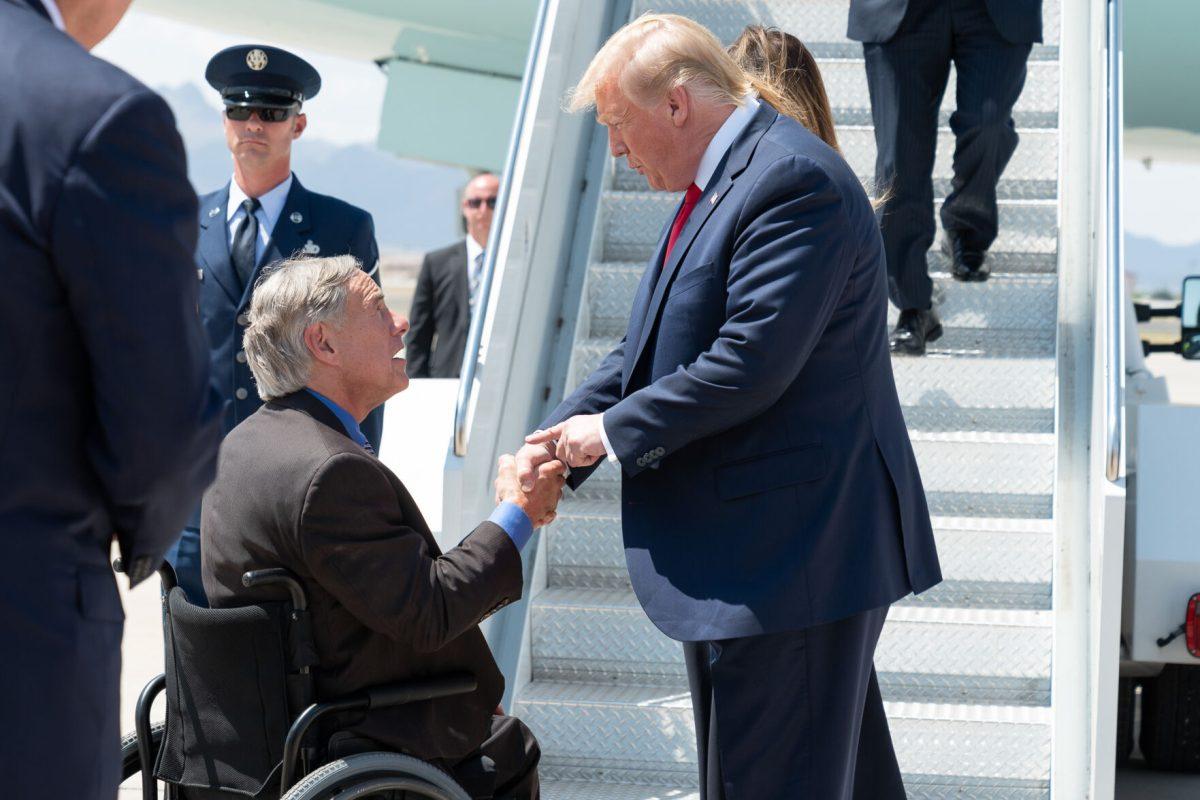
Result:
pixel 461 285
pixel 289 236
pixel 214 245
pixel 722 180
pixel 641 302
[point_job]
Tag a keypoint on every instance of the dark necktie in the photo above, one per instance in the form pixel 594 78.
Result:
pixel 245 241
pixel 689 202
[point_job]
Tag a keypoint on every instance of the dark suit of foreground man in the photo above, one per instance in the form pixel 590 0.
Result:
pixel 299 487
pixel 770 500
pixel 105 428
pixel 263 90
pixel 909 46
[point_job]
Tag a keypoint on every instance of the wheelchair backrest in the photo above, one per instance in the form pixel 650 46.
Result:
pixel 227 696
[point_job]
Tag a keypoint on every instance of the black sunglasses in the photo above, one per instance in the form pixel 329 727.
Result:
pixel 476 202
pixel 265 113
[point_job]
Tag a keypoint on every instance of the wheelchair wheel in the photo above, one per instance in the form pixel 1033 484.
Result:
pixel 130 763
pixel 373 774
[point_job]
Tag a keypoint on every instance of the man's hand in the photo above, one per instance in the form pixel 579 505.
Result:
pixel 579 442
pixel 540 504
pixel 529 458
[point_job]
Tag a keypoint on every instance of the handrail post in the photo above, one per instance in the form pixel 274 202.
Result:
pixel 466 384
pixel 1115 273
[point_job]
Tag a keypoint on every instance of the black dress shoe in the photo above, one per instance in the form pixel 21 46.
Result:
pixel 914 329
pixel 969 264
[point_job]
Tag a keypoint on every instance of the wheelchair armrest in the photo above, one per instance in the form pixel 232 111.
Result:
pixel 264 577
pixel 398 694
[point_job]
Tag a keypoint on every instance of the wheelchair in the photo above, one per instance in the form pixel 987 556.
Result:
pixel 243 719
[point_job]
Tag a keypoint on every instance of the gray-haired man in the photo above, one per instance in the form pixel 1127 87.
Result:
pixel 299 487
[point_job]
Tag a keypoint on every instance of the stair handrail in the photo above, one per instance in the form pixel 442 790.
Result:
pixel 1114 360
pixel 466 384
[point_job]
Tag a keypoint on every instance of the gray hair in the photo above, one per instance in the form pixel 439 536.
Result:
pixel 291 295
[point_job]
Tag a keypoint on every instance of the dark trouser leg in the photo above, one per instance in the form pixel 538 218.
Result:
pixel 697 657
pixel 990 73
pixel 906 77
pixel 505 765
pixel 876 772
pixel 60 675
pixel 184 556
pixel 790 711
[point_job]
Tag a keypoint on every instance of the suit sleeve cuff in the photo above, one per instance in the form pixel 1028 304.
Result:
pixel 514 522
pixel 608 448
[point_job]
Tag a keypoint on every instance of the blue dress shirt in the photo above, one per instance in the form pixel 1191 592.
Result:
pixel 509 516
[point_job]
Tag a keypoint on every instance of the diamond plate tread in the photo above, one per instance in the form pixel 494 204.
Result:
pixel 1005 302
pixel 919 787
pixel 651 729
pixel 998 420
pixel 967 462
pixel 1028 176
pixel 993 558
pixel 608 625
pixel 604 486
pixel 572 790
pixel 967 381
pixel 966 368
pixel 632 222
pixel 812 20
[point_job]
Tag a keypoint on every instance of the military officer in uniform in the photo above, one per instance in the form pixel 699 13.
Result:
pixel 262 215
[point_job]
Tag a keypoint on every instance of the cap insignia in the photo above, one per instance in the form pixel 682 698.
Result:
pixel 256 59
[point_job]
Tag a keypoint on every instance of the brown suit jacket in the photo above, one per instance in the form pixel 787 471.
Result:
pixel 294 491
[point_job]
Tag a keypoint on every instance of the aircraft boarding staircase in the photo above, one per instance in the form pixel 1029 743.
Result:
pixel 965 668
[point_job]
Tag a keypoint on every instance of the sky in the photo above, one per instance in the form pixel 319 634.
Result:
pixel 161 53
pixel 1160 201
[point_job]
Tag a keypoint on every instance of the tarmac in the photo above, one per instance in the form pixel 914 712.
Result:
pixel 142 649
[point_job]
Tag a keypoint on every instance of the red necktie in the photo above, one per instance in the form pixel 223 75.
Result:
pixel 689 202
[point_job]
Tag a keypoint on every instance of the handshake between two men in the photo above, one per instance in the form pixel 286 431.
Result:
pixel 533 478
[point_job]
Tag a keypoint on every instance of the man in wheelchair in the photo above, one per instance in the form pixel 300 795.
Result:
pixel 298 487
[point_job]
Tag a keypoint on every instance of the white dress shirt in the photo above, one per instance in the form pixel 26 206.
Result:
pixel 270 206
pixel 474 251
pixel 718 146
pixel 55 15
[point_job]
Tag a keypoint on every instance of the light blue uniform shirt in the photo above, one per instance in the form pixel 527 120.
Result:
pixel 509 516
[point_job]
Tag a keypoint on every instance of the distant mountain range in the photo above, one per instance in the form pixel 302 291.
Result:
pixel 1155 265
pixel 414 203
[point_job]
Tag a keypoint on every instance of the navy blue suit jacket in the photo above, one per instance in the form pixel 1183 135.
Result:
pixel 309 220
pixel 768 482
pixel 106 424
pixel 876 21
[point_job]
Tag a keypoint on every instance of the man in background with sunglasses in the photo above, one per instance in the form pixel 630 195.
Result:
pixel 261 216
pixel 448 289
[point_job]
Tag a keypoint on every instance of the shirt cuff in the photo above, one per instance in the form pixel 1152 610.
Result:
pixel 513 521
pixel 608 448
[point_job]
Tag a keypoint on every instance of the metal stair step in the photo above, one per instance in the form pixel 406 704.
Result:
pixel 961 479
pixel 814 21
pixel 632 222
pixel 1005 302
pixel 919 787
pixel 987 563
pixel 1028 176
pixel 649 731
pixel 966 368
pixel 576 790
pixel 604 632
